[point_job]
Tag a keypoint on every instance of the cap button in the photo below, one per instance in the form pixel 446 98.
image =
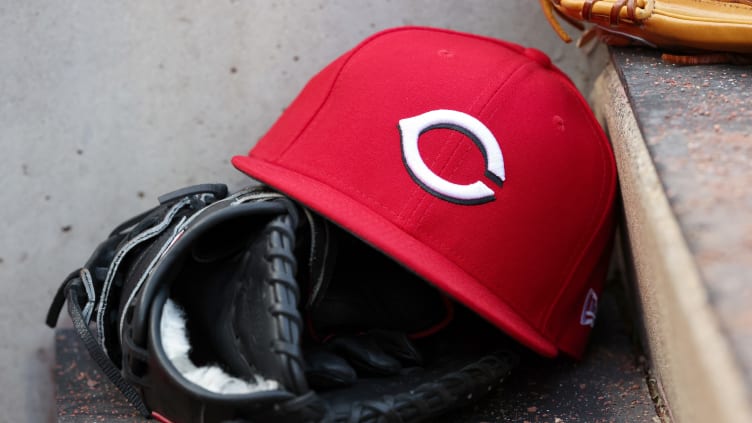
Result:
pixel 538 56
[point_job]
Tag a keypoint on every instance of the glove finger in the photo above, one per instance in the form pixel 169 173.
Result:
pixel 365 355
pixel 398 345
pixel 326 370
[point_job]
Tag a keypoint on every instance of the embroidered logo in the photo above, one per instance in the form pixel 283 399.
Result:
pixel 475 193
pixel 587 318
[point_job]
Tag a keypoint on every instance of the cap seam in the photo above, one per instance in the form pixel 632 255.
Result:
pixel 325 100
pixel 579 253
pixel 541 327
pixel 367 42
pixel 498 89
pixel 604 193
pixel 345 184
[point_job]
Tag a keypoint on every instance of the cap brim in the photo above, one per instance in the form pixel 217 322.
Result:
pixel 396 243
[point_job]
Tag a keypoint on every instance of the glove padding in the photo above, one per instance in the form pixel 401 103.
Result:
pixel 199 306
pixel 709 30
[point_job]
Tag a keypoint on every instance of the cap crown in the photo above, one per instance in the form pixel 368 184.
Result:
pixel 472 161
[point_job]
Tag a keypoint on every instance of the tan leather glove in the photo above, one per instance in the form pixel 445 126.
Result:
pixel 709 30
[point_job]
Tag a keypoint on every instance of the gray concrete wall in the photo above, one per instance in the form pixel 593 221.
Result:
pixel 104 105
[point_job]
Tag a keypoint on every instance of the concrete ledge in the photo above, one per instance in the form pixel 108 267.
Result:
pixel 699 369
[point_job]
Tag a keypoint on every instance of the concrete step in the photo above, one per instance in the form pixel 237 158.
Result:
pixel 683 142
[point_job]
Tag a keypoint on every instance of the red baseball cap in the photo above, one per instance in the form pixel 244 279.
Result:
pixel 472 161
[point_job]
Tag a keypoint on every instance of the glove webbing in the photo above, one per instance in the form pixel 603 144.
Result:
pixel 281 240
pixel 424 401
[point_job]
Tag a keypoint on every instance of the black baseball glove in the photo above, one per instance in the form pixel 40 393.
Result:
pixel 249 307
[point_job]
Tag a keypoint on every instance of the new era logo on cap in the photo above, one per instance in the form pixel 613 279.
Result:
pixel 589 309
pixel 472 161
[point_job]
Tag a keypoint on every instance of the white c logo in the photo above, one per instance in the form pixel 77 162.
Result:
pixel 476 193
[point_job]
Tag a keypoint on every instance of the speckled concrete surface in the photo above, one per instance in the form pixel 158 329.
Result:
pixel 105 105
pixel 697 123
pixel 682 138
